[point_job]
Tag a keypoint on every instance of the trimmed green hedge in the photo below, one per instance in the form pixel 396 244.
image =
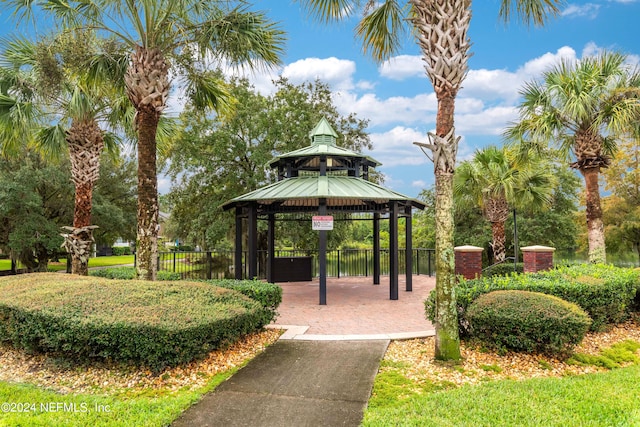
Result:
pixel 527 321
pixel 503 269
pixel 121 250
pixel 129 273
pixel 155 324
pixel 269 295
pixel 605 292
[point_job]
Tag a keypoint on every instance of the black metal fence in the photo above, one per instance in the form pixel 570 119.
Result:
pixel 340 262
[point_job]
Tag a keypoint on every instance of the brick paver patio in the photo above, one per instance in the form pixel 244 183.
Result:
pixel 355 306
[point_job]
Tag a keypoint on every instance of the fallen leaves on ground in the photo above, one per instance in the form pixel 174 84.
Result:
pixel 103 378
pixel 416 359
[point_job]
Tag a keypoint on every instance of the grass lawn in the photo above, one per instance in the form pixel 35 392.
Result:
pixel 103 261
pixel 602 399
pixel 29 405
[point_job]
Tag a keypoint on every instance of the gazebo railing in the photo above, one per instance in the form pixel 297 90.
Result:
pixel 340 262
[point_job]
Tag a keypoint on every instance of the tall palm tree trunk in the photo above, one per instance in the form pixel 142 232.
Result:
pixel 496 210
pixel 147 83
pixel 441 28
pixel 595 225
pixel 447 346
pixel 86 141
pixel 498 242
pixel 147 244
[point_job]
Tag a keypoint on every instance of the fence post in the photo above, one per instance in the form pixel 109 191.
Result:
pixel 338 263
pixel 418 261
pixel 366 263
pixel 209 265
pixel 174 262
pixel 468 261
pixel 429 265
pixel 537 258
pixel 68 268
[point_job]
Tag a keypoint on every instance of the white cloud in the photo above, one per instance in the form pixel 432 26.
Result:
pixel 419 184
pixel 395 147
pixel 338 73
pixel 408 110
pixel 402 66
pixel 535 67
pixel 490 121
pixel 589 10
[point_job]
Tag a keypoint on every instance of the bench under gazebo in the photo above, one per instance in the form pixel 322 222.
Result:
pixel 323 180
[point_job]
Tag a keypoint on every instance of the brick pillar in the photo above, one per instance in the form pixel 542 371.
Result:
pixel 537 258
pixel 468 261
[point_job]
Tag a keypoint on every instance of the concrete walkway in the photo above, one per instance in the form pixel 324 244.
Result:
pixel 294 383
pixel 321 371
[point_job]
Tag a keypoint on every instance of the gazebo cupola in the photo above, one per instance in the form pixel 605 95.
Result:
pixel 323 157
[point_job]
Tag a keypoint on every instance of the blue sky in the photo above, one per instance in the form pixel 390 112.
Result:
pixel 397 97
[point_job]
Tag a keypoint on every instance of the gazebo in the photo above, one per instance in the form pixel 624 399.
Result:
pixel 323 179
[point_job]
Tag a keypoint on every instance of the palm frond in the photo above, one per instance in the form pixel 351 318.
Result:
pixel 536 12
pixel 52 140
pixel 209 90
pixel 242 37
pixel 331 10
pixel 382 30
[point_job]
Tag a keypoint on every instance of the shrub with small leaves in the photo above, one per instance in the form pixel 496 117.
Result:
pixel 129 273
pixel 527 321
pixel 121 250
pixel 155 324
pixel 605 292
pixel 504 269
pixel 269 295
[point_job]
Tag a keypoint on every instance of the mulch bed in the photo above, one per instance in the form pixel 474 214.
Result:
pixel 104 378
pixel 416 355
pixel 479 366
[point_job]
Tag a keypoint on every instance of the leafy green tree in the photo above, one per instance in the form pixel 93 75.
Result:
pixel 584 108
pixel 35 201
pixel 216 159
pixel 621 209
pixel 440 28
pixel 114 204
pixel 498 180
pixel 555 227
pixel 181 36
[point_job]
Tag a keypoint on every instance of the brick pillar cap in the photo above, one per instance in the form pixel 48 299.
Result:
pixel 468 249
pixel 537 248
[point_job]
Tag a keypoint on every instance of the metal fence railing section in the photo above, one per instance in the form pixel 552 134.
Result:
pixel 340 262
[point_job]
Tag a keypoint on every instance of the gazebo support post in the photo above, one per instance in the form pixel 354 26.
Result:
pixel 252 249
pixel 393 250
pixel 376 248
pixel 237 262
pixel 271 249
pixel 322 255
pixel 409 250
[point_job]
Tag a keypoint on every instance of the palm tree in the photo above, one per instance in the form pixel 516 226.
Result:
pixel 584 107
pixel 42 79
pixel 497 181
pixel 440 28
pixel 182 36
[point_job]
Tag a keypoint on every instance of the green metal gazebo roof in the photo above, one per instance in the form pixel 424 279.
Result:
pixel 335 190
pixel 339 191
pixel 323 143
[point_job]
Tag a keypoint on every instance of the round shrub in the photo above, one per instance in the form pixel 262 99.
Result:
pixel 527 321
